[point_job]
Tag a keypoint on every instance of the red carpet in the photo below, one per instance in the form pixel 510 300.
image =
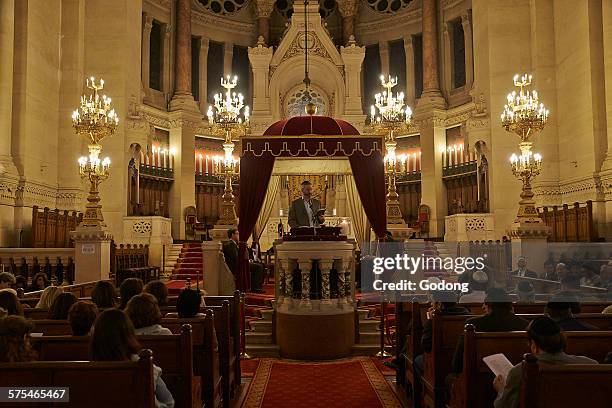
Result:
pixel 189 263
pixel 249 367
pixel 354 382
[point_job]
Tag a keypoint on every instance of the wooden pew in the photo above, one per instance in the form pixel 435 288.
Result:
pixel 50 327
pixel 92 384
pixel 173 353
pixel 415 311
pixel 473 387
pixel 205 358
pixel 538 307
pixel 35 313
pixel 554 386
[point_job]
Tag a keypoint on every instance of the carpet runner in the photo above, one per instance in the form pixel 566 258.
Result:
pixel 190 263
pixel 354 382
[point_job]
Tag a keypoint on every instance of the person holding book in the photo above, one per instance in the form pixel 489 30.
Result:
pixel 547 343
pixel 306 211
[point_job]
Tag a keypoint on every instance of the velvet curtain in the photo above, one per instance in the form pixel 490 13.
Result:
pixel 255 175
pixel 361 225
pixel 267 207
pixel 369 174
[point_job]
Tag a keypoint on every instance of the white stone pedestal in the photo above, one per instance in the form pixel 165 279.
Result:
pixel 469 227
pixel 400 232
pixel 530 241
pixel 91 254
pixel 211 257
pixel 153 231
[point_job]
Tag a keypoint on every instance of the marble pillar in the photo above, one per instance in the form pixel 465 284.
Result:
pixel 353 57
pixel 203 83
pixel 383 49
pixel 348 10
pixel 410 79
pixel 263 9
pixel 182 98
pixel 147 24
pixel 466 22
pixel 431 77
pixel 228 55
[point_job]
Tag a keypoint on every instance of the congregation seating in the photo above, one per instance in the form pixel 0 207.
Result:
pixel 132 261
pixel 473 387
pixel 173 353
pixel 115 382
pixel 553 386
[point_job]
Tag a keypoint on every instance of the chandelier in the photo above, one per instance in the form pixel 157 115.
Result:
pixel 229 112
pixel 389 109
pixel 526 165
pixel 95 118
pixel 523 113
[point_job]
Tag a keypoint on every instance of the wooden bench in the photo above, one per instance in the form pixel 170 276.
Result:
pixel 473 387
pixel 50 327
pixel 538 307
pixel 92 384
pixel 35 313
pixel 408 333
pixel 205 357
pixel 554 386
pixel 173 353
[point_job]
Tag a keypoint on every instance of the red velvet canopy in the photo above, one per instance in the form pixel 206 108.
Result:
pixel 311 125
pixel 307 137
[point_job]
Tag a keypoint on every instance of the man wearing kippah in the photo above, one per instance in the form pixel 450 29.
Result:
pixel 547 343
pixel 303 211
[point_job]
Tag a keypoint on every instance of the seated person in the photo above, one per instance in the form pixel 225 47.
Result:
pixel 48 297
pixel 499 317
pixel 145 315
pixel 522 270
pixel 10 303
pixel 478 286
pixel 547 343
pixel 81 317
pixel 257 269
pixel 104 295
pixel 128 289
pixel 15 344
pixel 113 339
pixel 158 289
pixel 559 308
pixel 7 280
pixel 230 253
pixel 61 305
pixel 588 277
pixel 188 303
pixel 525 292
pixel 39 282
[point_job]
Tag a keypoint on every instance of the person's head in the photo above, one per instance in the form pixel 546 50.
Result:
pixel 40 281
pixel 158 289
pixel 574 268
pixel 60 306
pixel 15 344
pixel 525 292
pixel 81 317
pixel 20 282
pixel 587 271
pixel 549 268
pixel 570 282
pixel 444 298
pixel 103 294
pixel 188 303
pixel 561 270
pixel 306 189
pixel 143 310
pixel 521 262
pixel 561 305
pixel 232 234
pixel 498 301
pixel 48 297
pixel 545 336
pixel 479 281
pixel 7 280
pixel 128 289
pixel 113 337
pixel 10 303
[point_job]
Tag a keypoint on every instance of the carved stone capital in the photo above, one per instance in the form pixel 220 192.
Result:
pixel 348 8
pixel 263 8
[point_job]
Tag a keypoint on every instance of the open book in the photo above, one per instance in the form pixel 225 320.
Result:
pixel 498 363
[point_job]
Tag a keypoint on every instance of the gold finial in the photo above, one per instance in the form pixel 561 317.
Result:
pixel 311 109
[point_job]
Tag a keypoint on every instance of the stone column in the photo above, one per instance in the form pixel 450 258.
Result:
pixel 448 58
pixel 182 98
pixel 7 35
pixel 182 193
pixel 259 57
pixel 325 266
pixel 348 10
pixel 353 56
pixel 410 79
pixel 606 168
pixel 204 42
pixel 228 54
pixel 383 49
pixel 305 266
pixel 431 78
pixel 147 24
pixel 469 50
pixel 263 9
pixel 166 64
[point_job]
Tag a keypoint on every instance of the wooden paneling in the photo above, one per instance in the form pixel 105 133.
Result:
pixel 51 228
pixel 570 223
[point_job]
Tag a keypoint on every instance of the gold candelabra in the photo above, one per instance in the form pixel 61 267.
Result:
pixel 229 117
pixel 525 116
pixel 389 115
pixel 94 119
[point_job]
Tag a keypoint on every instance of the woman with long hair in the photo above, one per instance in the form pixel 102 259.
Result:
pixel 113 339
pixel 60 306
pixel 39 282
pixel 145 315
pixel 15 344
pixel 128 289
pixel 10 303
pixel 48 297
pixel 104 295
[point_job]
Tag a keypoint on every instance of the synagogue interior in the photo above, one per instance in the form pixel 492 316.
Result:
pixel 332 203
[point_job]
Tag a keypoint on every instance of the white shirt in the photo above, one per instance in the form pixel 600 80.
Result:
pixel 477 296
pixel 307 204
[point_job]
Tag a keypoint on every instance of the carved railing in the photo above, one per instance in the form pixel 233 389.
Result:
pixel 497 257
pixel 131 261
pixel 570 223
pixel 51 228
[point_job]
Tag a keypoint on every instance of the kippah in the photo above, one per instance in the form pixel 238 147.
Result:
pixel 306 182
pixel 480 277
pixel 544 326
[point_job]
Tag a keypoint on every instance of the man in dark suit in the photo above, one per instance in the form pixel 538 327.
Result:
pixel 522 270
pixel 230 253
pixel 303 211
pixel 499 318
pixel 559 308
